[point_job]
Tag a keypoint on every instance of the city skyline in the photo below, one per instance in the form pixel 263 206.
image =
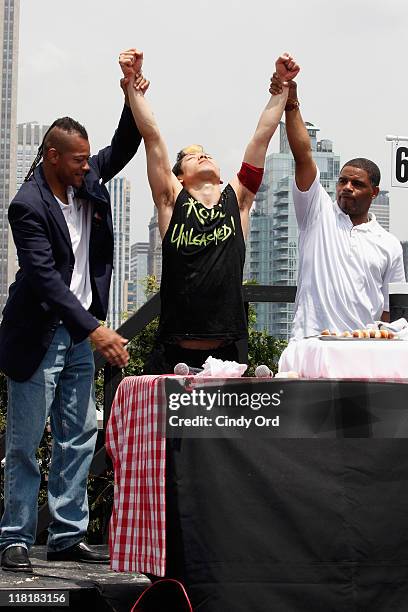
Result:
pixel 29 137
pixel 119 189
pixel 199 96
pixel 9 39
pixel 139 253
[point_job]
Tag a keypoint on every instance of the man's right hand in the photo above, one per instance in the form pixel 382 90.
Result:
pixel 111 345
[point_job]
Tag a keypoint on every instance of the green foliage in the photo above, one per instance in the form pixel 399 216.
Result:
pixel 150 285
pixel 100 495
pixel 251 318
pixel 263 348
pixel 140 348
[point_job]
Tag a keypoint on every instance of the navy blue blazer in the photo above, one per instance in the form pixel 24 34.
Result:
pixel 40 296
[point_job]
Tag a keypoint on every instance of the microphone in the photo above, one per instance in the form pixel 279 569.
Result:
pixel 262 371
pixel 182 369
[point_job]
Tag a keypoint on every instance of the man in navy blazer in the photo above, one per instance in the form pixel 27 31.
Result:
pixel 62 226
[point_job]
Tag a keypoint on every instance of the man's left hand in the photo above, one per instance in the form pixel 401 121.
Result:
pixel 131 62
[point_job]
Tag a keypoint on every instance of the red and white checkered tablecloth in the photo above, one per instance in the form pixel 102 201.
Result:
pixel 137 445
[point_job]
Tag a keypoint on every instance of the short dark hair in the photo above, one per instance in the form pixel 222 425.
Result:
pixel 369 166
pixel 65 124
pixel 177 166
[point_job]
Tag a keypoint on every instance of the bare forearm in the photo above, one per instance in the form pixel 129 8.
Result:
pixel 267 124
pixel 298 136
pixel 270 117
pixel 299 142
pixel 158 165
pixel 143 115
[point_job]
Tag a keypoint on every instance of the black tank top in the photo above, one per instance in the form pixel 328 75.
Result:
pixel 203 259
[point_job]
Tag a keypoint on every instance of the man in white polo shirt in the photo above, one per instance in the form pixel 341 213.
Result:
pixel 346 259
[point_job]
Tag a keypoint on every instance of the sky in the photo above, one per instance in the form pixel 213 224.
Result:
pixel 209 62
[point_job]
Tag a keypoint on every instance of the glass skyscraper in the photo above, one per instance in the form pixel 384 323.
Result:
pixel 119 190
pixel 381 208
pixel 9 26
pixel 138 272
pixel 154 258
pixel 29 138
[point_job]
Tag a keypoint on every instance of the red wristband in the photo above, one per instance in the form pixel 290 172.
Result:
pixel 250 177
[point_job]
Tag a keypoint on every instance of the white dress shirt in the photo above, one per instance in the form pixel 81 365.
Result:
pixel 78 215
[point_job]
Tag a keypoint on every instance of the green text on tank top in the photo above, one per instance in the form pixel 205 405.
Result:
pixel 203 257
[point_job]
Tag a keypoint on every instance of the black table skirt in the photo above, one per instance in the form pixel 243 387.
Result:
pixel 296 524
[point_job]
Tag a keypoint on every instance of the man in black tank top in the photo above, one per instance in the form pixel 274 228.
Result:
pixel 203 230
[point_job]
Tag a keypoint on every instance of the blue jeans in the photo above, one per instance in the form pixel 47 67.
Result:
pixel 62 388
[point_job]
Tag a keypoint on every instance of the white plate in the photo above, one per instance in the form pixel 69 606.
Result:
pixel 347 339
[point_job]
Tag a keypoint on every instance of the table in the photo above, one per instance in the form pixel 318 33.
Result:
pixel 315 358
pixel 312 515
pixel 136 444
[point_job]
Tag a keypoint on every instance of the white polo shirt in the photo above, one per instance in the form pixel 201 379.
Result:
pixel 78 215
pixel 344 269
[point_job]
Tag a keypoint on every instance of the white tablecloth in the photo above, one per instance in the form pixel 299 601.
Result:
pixel 314 358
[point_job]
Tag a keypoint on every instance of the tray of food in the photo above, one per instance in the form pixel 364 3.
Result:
pixel 359 335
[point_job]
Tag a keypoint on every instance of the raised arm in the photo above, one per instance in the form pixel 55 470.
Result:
pixel 125 142
pixel 298 136
pixel 164 185
pixel 255 152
